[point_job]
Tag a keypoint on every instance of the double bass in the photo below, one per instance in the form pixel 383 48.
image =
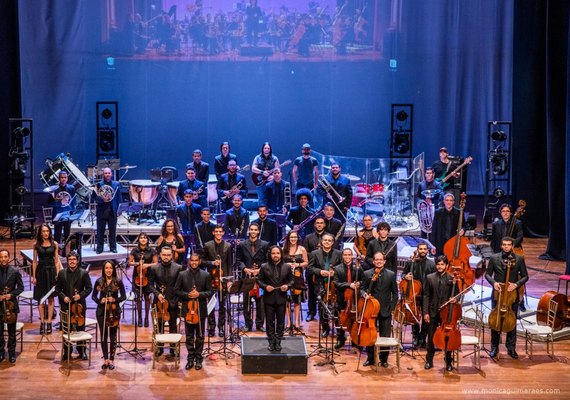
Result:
pixel 364 332
pixel 447 337
pixel 410 292
pixel 502 318
pixel 458 253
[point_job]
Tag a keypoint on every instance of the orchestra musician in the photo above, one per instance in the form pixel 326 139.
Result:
pixel 161 281
pixel 267 226
pixel 296 255
pixel 170 236
pixel 429 183
pixel 63 201
pixel 386 246
pixel 45 267
pixel 237 218
pixel 198 188
pixel 251 254
pixel 364 236
pixel 108 200
pixel 194 284
pixel 253 13
pixel 149 257
pixel 437 290
pixel 263 163
pixel 204 229
pixel 218 257
pixel 108 290
pixel 445 222
pixel 306 169
pixel 321 263
pixel 230 184
pixel 313 242
pixel 275 193
pixel 275 278
pixel 188 213
pixel 222 160
pixel 341 185
pixel 332 225
pixel 385 291
pixel 73 285
pixel 11 286
pixel 418 268
pixel 298 214
pixel 345 276
pixel 202 168
pixel 496 274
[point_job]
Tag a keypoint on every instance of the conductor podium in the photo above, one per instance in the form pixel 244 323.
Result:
pixel 257 359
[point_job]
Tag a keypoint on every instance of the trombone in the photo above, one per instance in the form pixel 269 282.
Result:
pixel 326 185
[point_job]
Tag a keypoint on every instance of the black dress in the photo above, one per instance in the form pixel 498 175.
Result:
pixel 45 271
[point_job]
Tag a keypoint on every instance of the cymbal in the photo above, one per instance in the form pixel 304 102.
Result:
pixel 128 167
pixel 353 178
pixel 326 166
pixel 51 188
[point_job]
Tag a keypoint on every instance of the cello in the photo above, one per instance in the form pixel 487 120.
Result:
pixel 458 253
pixel 410 291
pixel 502 318
pixel 447 337
pixel 364 332
pixel 347 315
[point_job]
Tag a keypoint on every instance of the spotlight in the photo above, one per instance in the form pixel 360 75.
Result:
pixel 499 136
pixel 498 192
pixel 402 116
pixel 106 140
pixel 22 132
pixel 21 190
pixel 401 142
pixel 106 113
pixel 499 162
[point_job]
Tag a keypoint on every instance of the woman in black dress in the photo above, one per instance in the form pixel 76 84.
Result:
pixel 109 290
pixel 148 255
pixel 170 236
pixel 296 255
pixel 45 267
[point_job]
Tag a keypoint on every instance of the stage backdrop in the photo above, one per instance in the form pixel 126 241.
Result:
pixel 451 59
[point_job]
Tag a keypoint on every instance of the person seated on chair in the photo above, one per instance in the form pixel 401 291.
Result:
pixel 194 285
pixel 12 286
pixel 72 287
pixel 198 188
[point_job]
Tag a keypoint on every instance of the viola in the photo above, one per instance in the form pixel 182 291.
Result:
pixel 364 332
pixel 76 311
pixel 255 291
pixel 162 308
pixel 112 312
pixel 193 314
pixel 502 318
pixel 141 278
pixel 447 337
pixel 8 315
pixel 330 291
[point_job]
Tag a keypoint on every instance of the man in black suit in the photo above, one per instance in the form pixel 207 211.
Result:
pixel 198 188
pixel 321 264
pixel 194 284
pixel 275 278
pixel 386 246
pixel 229 184
pixel 202 168
pixel 445 222
pixel 312 242
pixel 73 285
pixel 11 286
pixel 298 214
pixel 188 213
pixel 251 254
pixel 267 226
pixel 437 290
pixel 347 275
pixel 332 225
pixel 222 160
pixel 161 281
pixel 204 229
pixel 237 218
pixel 275 193
pixel 218 259
pixel 496 276
pixel 418 269
pixel 385 290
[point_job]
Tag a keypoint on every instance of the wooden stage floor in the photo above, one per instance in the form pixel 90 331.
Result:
pixel 38 374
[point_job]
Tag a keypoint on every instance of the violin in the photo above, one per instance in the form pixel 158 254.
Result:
pixel 76 311
pixel 330 291
pixel 447 337
pixel 347 315
pixel 112 311
pixel 410 292
pixel 141 279
pixel 502 318
pixel 298 282
pixel 458 253
pixel 162 308
pixel 193 314
pixel 255 291
pixel 216 272
pixel 8 315
pixel 364 332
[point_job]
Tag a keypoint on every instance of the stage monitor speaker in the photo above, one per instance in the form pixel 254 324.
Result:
pixel 261 51
pixel 257 359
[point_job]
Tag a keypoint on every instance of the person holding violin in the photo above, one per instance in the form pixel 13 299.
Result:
pixel 437 290
pixel 72 286
pixel 496 274
pixel 312 242
pixel 296 255
pixel 364 236
pixel 218 259
pixel 237 218
pixel 418 268
pixel 141 259
pixel 321 265
pixel 11 286
pixel 275 278
pixel 193 288
pixel 170 237
pixel 109 293
pixel 385 290
pixel 385 245
pixel 161 281
pixel 445 222
pixel 347 275
pixel 251 254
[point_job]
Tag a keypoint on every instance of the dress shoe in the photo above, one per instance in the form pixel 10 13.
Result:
pixel 513 354
pixel 367 363
pixel 211 333
pixel 493 353
pixel 522 307
pixel 42 328
pixel 324 334
pixel 277 346
pixel 2 357
pixel 140 323
pixel 260 329
pixel 104 366
pixel 428 365
pixel 271 347
pixel 310 317
pixel 172 352
pixel 384 364
pixel 12 359
pixel 83 356
pixel 198 365
pixel 449 367
pixel 221 333
pixel 146 323
pixel 249 328
pixel 111 366
pixel 415 343
pixel 49 328
pixel 339 344
pixel 189 364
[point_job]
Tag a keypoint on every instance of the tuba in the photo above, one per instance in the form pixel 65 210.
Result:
pixel 425 215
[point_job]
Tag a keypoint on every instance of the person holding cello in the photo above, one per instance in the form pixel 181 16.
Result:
pixel 11 286
pixel 418 268
pixel 72 287
pixel 346 280
pixel 161 281
pixel 109 293
pixel 445 222
pixel 496 274
pixel 437 290
pixel 193 288
pixel 141 259
pixel 385 290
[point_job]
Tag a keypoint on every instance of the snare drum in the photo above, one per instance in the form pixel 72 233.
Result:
pixel 172 190
pixel 50 176
pixel 143 191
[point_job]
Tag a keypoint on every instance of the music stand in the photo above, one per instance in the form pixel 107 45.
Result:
pixel 45 335
pixel 329 353
pixel 225 351
pixel 135 351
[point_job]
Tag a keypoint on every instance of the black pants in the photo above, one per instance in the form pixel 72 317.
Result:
pixel 221 315
pixel 384 325
pixel 248 311
pixel 433 325
pixel 58 227
pixel 106 216
pixel 312 296
pixel 511 341
pixel 108 346
pixel 11 339
pixel 275 322
pixel 174 312
pixel 195 339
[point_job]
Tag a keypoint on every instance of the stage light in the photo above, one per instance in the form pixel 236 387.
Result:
pixel 106 113
pixel 21 190
pixel 402 116
pixel 107 140
pixel 401 142
pixel 499 136
pixel 499 160
pixel 22 132
pixel 498 192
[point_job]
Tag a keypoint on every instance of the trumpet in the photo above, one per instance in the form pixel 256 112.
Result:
pixel 235 188
pixel 330 188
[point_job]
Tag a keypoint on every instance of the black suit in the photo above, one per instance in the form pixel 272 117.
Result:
pixel 496 272
pixel 202 171
pixel 318 261
pixel 444 227
pixel 204 233
pixel 499 231
pixel 212 251
pixel 276 300
pixel 226 182
pixel 186 282
pixel 297 215
pixel 165 276
pixel 188 216
pixel 268 230
pixel 246 257
pixel 275 195
pixel 334 227
pixel 194 186
pixel 11 279
pixel 342 283
pixel 237 222
pixel 386 247
pixel 385 291
pixel 312 242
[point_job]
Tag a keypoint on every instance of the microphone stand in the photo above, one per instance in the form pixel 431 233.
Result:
pixel 329 353
pixel 135 352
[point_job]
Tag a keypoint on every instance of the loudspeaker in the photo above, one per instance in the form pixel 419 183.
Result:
pixel 261 51
pixel 257 359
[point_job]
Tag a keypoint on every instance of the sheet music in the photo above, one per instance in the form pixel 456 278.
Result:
pixel 212 303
